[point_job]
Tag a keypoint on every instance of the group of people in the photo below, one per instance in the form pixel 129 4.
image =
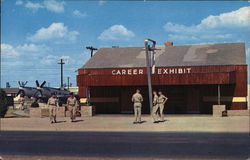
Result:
pixel 157 111
pixel 72 104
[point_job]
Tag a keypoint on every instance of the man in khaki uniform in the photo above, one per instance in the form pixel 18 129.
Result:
pixel 52 104
pixel 21 102
pixel 155 107
pixel 72 106
pixel 161 102
pixel 137 100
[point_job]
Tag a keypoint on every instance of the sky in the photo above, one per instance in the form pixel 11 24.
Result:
pixel 35 34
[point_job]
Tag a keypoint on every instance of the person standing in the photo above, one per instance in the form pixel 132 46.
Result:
pixel 155 107
pixel 21 102
pixel 137 100
pixel 72 106
pixel 161 102
pixel 52 105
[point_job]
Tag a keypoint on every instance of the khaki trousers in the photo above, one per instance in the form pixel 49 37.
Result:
pixel 52 113
pixel 161 106
pixel 137 112
pixel 154 113
pixel 72 111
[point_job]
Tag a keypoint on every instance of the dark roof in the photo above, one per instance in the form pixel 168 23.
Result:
pixel 185 55
pixel 11 90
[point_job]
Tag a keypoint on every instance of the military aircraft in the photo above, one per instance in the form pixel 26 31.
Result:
pixel 47 91
pixel 41 92
pixel 28 91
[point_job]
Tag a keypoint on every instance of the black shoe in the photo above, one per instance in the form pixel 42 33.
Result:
pixel 55 121
pixel 51 122
pixel 72 121
pixel 135 122
pixel 156 122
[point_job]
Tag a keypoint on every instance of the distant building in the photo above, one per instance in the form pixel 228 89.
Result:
pixel 11 93
pixel 190 76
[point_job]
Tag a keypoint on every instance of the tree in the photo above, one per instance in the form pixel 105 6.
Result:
pixel 3 103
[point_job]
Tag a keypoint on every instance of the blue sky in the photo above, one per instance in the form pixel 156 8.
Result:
pixel 36 34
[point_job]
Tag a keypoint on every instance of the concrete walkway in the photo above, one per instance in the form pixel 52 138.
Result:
pixel 123 123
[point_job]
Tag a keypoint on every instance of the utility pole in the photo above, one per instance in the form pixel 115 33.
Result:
pixel 68 82
pixel 150 63
pixel 61 63
pixel 91 48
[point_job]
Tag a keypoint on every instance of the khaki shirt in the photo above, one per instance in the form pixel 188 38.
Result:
pixel 72 101
pixel 162 99
pixel 155 100
pixel 52 102
pixel 21 100
pixel 137 98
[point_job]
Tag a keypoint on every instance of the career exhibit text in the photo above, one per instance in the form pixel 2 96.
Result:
pixel 155 71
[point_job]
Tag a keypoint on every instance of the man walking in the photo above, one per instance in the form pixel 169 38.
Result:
pixel 155 107
pixel 161 102
pixel 137 100
pixel 72 106
pixel 52 105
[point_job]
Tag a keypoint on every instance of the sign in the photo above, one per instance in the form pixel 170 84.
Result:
pixel 159 71
pixel 83 100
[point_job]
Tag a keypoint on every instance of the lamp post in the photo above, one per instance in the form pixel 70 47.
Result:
pixel 149 62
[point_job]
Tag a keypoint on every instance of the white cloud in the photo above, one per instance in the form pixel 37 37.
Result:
pixel 77 13
pixel 8 51
pixel 34 6
pixel 239 18
pixel 116 32
pixel 212 27
pixel 56 31
pixel 51 5
pixel 19 2
pixel 52 59
pixel 32 48
pixel 101 2
pixel 54 5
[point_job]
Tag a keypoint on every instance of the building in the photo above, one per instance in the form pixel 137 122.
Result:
pixel 11 93
pixel 192 77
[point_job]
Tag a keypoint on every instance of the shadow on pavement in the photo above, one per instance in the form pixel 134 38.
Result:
pixel 177 145
pixel 77 121
pixel 60 121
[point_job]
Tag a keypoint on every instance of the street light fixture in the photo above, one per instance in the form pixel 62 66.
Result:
pixel 150 50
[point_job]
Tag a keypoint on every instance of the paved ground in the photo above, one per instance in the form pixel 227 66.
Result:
pixel 125 145
pixel 123 123
pixel 113 137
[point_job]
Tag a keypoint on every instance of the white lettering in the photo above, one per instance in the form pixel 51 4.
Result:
pixel 113 72
pixel 129 72
pixel 171 71
pixel 158 71
pixel 180 71
pixel 165 71
pixel 118 72
pixel 123 72
pixel 135 71
pixel 140 71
